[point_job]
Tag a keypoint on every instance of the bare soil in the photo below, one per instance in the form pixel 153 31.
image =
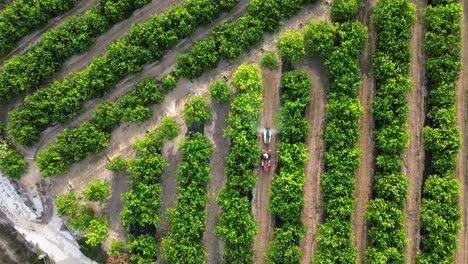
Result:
pixel 462 120
pixel 313 212
pixel 414 158
pixel 261 197
pixel 366 170
pixel 214 131
pixel 23 44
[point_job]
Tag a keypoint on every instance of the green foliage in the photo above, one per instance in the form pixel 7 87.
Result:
pixel 184 242
pixel 142 248
pixel 169 127
pixel 197 110
pixel 116 247
pixel 117 164
pixel 71 145
pixel 339 46
pixel 98 231
pixel 236 225
pixel 287 189
pixel 202 57
pixel 344 10
pixel 232 38
pixel 75 35
pixel 319 37
pixel 146 42
pixel 66 204
pixel 143 201
pixel 269 61
pixel 220 92
pixel 441 212
pixel 11 162
pixel 291 46
pixel 390 110
pixel 97 191
pixel 81 218
pixel 21 17
pixel 89 138
pixel 169 83
pixel 284 248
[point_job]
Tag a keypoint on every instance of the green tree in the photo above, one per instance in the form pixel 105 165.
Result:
pixel 117 164
pixel 291 46
pixel 11 162
pixel 66 204
pixel 116 247
pixel 220 92
pixel 97 191
pixel 197 110
pixel 269 61
pixel 169 82
pixel 98 231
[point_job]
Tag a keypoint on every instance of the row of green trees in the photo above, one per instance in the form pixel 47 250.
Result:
pixel 232 38
pixel 82 218
pixel 440 212
pixel 236 225
pixel 140 214
pixel 393 21
pixel 11 162
pixel 184 241
pixel 75 35
pixel 75 144
pixel 287 190
pixel 339 46
pixel 146 42
pixel 22 16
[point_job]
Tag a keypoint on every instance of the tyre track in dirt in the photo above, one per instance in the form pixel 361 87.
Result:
pixel 261 197
pixel 313 213
pixel 23 45
pixel 462 121
pixel 79 62
pixel 366 141
pixel 213 245
pixel 414 158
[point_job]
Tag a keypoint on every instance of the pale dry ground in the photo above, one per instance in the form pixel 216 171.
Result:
pixel 313 212
pixel 366 170
pixel 462 121
pixel 414 158
pixel 261 197
pixel 23 45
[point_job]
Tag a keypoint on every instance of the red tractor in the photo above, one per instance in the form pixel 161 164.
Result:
pixel 265 161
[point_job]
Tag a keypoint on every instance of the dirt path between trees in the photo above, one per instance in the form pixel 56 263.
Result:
pixel 312 215
pixel 462 121
pixel 414 158
pixel 79 62
pixel 23 45
pixel 261 197
pixel 213 245
pixel 366 141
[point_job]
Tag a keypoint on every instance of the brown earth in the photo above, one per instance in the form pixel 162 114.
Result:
pixel 261 197
pixel 23 44
pixel 462 121
pixel 312 215
pixel 214 131
pixel 414 157
pixel 366 141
